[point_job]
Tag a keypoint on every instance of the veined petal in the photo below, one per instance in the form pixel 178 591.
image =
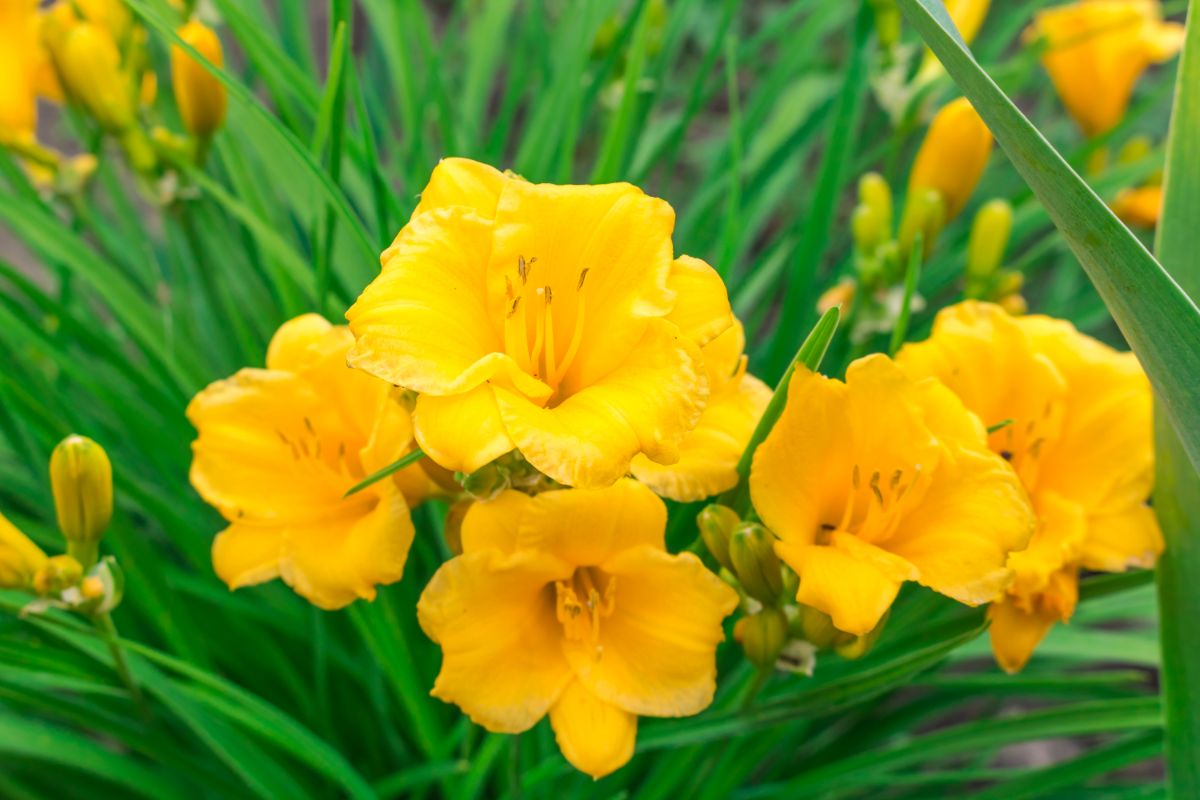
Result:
pixel 595 736
pixel 461 432
pixel 702 309
pixel 502 660
pixel 248 553
pixel 655 655
pixel 332 563
pixel 709 454
pixel 619 517
pixel 494 524
pixel 853 582
pixel 425 322
pixel 646 405
pixel 462 182
pixel 970 519
pixel 20 558
pixel 798 477
pixel 1127 538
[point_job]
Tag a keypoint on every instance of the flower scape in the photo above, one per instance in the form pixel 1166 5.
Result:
pixel 542 505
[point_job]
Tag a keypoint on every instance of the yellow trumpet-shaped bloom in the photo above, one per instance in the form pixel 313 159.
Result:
pixel 24 68
pixel 20 558
pixel 885 479
pixel 536 317
pixel 200 96
pixel 1140 206
pixel 594 630
pixel 709 454
pixel 1080 438
pixel 953 156
pixel 1097 49
pixel 276 452
pixel 968 17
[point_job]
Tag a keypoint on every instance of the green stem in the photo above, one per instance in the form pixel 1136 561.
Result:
pixel 108 632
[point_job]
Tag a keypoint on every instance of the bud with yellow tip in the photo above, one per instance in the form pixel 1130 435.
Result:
pixel 81 478
pixel 990 231
pixel 91 73
pixel 924 214
pixel 953 156
pixel 717 523
pixel 752 551
pixel 58 573
pixel 199 95
pixel 20 558
pixel 763 636
pixel 875 194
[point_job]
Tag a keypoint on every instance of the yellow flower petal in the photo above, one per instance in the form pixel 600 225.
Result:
pixel 647 405
pixel 709 454
pixel 798 478
pixel 1128 538
pixel 655 652
pixel 853 582
pixel 702 309
pixel 299 343
pixel 462 182
pixel 619 517
pixel 1140 207
pixel 595 736
pixel 20 558
pixel 1057 543
pixel 461 432
pixel 502 660
pixel 425 323
pixel 248 553
pixel 494 524
pixel 1016 633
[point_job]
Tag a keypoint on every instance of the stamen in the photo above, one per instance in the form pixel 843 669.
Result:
pixel 539 325
pixel 874 484
pixel 895 479
pixel 551 354
pixel 582 277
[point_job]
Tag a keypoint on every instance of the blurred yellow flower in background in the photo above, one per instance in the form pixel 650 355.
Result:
pixel 1140 206
pixel 885 479
pixel 953 156
pixel 1080 438
pixel 1097 49
pixel 276 452
pixel 536 317
pixel 25 70
pixel 199 95
pixel 595 630
pixel 20 558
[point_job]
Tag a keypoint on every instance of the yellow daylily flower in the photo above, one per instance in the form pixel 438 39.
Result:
pixel 953 156
pixel 709 454
pixel 885 479
pixel 594 630
pixel 968 17
pixel 1097 49
pixel 20 558
pixel 276 452
pixel 25 69
pixel 1140 207
pixel 535 317
pixel 200 96
pixel 1080 440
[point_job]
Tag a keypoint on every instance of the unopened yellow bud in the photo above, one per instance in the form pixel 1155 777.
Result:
pixel 752 551
pixel 867 229
pixel 1137 148
pixel 763 636
pixel 875 194
pixel 91 73
pixel 1014 304
pixel 968 17
pixel 989 239
pixel 58 573
pixel 198 93
pixel 20 558
pixel 924 213
pixel 112 15
pixel 953 156
pixel 887 22
pixel 717 523
pixel 81 478
pixel 841 294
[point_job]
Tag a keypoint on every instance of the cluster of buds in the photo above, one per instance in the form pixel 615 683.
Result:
pixel 775 631
pixel 79 580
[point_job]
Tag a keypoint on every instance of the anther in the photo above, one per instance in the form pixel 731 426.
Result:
pixel 516 303
pixel 582 277
pixel 874 484
pixel 895 479
pixel 854 478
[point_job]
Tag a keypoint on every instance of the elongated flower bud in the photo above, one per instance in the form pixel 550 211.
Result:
pixel 764 635
pixel 953 156
pixel 717 523
pixel 875 194
pixel 752 551
pixel 985 249
pixel 199 95
pixel 20 558
pixel 81 478
pixel 91 73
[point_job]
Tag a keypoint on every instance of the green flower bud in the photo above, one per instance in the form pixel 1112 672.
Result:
pixel 81 478
pixel 752 551
pixel 859 646
pixel 990 232
pixel 887 22
pixel 875 194
pixel 1135 149
pixel 486 482
pixel 924 213
pixel 817 627
pixel 716 523
pixel 764 635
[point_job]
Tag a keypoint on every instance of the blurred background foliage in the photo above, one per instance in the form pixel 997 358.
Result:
pixel 754 120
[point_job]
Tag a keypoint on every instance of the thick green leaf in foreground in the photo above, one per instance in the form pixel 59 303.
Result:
pixel 1159 320
pixel 1177 496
